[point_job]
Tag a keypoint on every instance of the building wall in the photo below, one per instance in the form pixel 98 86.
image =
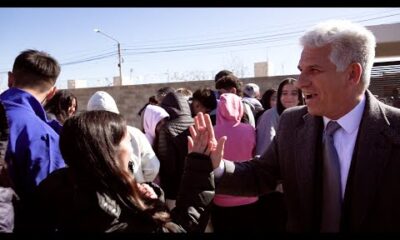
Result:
pixel 131 98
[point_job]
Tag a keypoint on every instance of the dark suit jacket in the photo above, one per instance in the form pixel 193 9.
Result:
pixel 372 195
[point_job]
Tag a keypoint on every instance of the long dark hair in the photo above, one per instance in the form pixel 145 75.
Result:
pixel 89 144
pixel 266 98
pixel 279 106
pixel 60 103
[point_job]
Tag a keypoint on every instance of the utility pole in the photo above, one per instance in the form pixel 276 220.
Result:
pixel 119 62
pixel 119 51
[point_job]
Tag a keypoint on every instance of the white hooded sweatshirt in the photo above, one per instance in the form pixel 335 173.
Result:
pixel 145 162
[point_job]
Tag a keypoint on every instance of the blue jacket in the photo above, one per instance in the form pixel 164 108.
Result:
pixel 33 150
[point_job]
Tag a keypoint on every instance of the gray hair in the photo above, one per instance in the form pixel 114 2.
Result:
pixel 350 43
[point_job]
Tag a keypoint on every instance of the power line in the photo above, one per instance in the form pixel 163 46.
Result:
pixel 265 38
pixel 87 54
pixel 294 26
pixel 228 43
pixel 212 45
pixel 206 45
pixel 98 57
pixel 272 37
pixel 297 25
pixel 379 17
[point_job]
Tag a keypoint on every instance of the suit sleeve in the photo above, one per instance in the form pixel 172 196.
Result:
pixel 255 177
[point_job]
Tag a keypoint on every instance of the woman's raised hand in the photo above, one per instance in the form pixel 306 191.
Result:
pixel 202 139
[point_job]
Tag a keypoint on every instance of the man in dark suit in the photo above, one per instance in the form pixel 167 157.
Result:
pixel 335 68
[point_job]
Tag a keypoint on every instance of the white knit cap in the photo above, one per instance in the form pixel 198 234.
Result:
pixel 101 100
pixel 251 90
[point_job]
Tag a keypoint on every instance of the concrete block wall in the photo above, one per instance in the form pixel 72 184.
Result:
pixel 131 98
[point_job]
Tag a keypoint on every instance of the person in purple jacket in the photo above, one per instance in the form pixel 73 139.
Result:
pixel 33 151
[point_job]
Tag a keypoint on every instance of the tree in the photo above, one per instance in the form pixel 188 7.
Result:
pixel 237 66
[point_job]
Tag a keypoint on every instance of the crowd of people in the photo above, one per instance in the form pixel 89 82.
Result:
pixel 318 154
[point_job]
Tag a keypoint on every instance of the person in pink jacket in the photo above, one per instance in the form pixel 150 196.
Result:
pixel 234 213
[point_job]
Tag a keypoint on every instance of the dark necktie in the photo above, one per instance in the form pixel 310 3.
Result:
pixel 331 187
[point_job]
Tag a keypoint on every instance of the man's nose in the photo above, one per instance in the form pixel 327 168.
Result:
pixel 302 81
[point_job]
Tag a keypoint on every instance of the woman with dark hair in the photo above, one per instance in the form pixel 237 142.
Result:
pixel 271 206
pixel 61 106
pixel 97 192
pixel 288 96
pixel 268 100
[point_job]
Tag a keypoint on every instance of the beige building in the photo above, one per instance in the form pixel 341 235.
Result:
pixel 72 84
pixel 388 39
pixel 262 69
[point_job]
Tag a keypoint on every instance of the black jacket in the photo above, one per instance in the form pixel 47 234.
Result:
pixel 172 142
pixel 7 195
pixel 64 204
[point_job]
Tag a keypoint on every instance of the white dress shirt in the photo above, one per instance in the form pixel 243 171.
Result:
pixel 344 141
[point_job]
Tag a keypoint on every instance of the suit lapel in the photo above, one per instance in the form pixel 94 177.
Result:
pixel 370 153
pixel 308 137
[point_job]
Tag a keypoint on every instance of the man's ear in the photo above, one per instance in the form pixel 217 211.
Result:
pixel 233 90
pixel 355 73
pixel 51 93
pixel 11 79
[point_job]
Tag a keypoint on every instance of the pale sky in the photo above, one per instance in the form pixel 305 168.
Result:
pixel 166 44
